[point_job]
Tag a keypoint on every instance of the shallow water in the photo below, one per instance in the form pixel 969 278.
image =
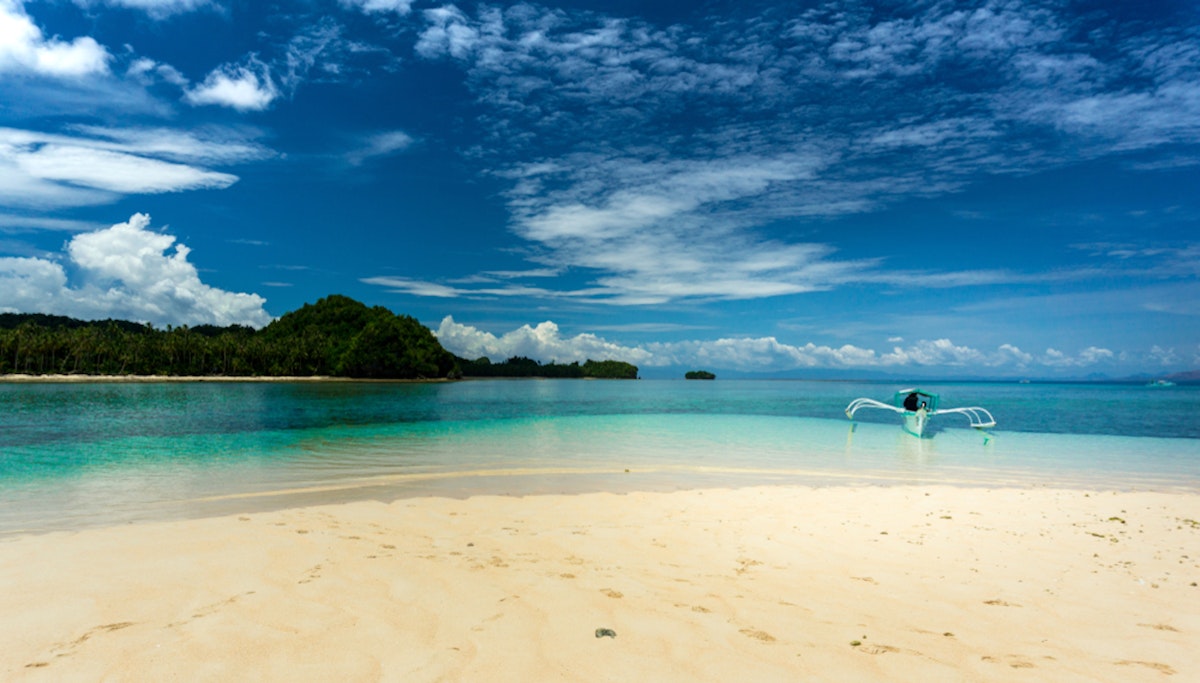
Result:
pixel 81 454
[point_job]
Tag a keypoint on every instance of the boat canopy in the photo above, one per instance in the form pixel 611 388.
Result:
pixel 912 399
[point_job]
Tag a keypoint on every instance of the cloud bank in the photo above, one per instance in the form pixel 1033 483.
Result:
pixel 126 272
pixel 545 342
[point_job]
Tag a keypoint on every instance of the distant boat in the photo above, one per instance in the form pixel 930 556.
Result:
pixel 918 406
pixel 1161 383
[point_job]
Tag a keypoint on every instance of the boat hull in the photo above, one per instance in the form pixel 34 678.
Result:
pixel 914 422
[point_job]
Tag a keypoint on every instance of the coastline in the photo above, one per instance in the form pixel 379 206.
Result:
pixel 909 582
pixel 154 379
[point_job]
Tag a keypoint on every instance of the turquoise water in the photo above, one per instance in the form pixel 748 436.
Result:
pixel 79 454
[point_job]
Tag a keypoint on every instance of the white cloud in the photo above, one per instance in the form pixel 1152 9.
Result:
pixel 206 145
pixel 380 145
pixel 15 223
pixel 126 271
pixel 400 7
pixel 116 172
pixel 1164 357
pixel 448 33
pixel 246 87
pixel 1089 356
pixel 99 164
pixel 836 110
pixel 24 49
pixel 545 342
pixel 146 71
pixel 664 231
pixel 159 9
pixel 415 287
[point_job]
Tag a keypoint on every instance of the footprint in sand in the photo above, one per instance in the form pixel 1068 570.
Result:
pixel 209 610
pixel 757 635
pixel 878 649
pixel 1149 665
pixel 1015 661
pixel 1160 627
pixel 311 575
pixel 67 649
pixel 1000 603
pixel 612 593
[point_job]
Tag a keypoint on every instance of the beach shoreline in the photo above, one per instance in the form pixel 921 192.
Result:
pixel 837 583
pixel 158 379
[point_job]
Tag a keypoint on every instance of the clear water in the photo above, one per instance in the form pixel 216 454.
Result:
pixel 78 454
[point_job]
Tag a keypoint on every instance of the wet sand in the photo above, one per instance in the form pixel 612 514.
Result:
pixel 777 583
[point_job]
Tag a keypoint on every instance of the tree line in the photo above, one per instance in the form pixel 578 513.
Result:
pixel 520 366
pixel 337 336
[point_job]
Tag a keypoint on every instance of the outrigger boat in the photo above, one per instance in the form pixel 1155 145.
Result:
pixel 918 406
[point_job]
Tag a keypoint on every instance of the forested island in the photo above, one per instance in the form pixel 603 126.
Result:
pixel 335 337
pixel 699 374
pixel 520 366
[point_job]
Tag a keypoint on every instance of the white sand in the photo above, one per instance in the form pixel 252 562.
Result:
pixel 759 584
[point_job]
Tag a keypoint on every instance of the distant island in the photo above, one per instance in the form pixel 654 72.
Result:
pixel 335 337
pixel 699 374
pixel 519 366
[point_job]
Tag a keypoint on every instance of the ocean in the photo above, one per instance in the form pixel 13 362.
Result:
pixel 77 455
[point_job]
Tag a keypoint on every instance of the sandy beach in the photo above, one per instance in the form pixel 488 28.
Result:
pixel 779 583
pixel 16 378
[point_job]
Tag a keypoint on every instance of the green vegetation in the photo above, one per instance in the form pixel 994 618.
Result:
pixel 519 366
pixel 337 336
pixel 700 374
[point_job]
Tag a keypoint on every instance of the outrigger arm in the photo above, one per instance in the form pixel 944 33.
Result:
pixel 870 403
pixel 980 418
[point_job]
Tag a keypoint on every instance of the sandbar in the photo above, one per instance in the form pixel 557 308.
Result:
pixel 762 583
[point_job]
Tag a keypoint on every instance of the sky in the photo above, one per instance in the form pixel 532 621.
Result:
pixel 897 189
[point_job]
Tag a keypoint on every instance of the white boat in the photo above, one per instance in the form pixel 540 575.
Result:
pixel 1160 383
pixel 918 406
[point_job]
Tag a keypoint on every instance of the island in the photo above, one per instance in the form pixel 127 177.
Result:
pixel 699 374
pixel 519 366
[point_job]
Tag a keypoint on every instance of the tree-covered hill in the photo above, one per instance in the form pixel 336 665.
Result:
pixel 337 336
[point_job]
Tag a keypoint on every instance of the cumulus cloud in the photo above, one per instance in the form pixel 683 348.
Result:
pixel 244 87
pixel 24 49
pixel 545 342
pixel 126 271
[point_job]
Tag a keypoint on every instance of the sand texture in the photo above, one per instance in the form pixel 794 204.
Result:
pixel 908 583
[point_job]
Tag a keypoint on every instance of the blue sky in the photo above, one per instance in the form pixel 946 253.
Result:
pixel 920 189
